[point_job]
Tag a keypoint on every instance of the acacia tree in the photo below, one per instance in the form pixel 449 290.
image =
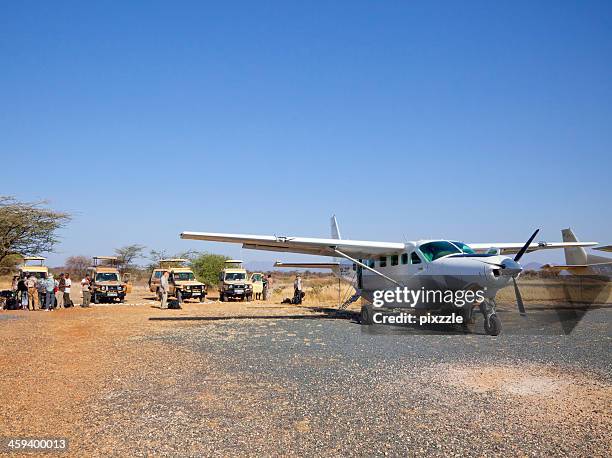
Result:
pixel 126 256
pixel 77 265
pixel 28 228
pixel 207 267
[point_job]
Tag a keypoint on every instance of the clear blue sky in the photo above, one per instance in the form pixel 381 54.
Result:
pixel 471 120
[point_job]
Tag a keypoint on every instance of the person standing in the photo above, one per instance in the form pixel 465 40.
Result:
pixel 267 284
pixel 60 285
pixel 86 288
pixel 50 283
pixel 67 286
pixel 297 286
pixel 163 290
pixel 22 290
pixel 41 286
pixel 32 292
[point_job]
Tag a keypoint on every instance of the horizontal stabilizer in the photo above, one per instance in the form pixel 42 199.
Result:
pixel 607 248
pixel 576 269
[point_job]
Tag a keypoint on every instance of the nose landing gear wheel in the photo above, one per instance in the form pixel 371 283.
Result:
pixel 492 325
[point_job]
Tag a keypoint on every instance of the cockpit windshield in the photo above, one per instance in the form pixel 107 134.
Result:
pixel 436 250
pixel 463 247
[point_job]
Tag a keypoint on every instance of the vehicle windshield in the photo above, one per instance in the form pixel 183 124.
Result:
pixel 184 276
pixel 235 276
pixel 435 250
pixel 463 247
pixel 256 277
pixel 107 276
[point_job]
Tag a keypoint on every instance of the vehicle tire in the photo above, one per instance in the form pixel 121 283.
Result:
pixel 249 298
pixel 96 299
pixel 222 297
pixel 179 295
pixel 202 298
pixel 365 318
pixel 493 325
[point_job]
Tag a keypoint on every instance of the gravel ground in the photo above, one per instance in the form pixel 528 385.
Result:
pixel 139 381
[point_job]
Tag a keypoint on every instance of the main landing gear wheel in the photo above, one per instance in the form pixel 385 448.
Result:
pixel 493 325
pixel 366 318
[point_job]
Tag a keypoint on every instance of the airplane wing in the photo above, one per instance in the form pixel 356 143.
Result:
pixel 510 248
pixel 308 265
pixel 605 248
pixel 304 245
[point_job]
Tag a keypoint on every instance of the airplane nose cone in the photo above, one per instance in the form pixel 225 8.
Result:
pixel 510 267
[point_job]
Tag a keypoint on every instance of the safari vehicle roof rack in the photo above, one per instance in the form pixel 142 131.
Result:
pixel 112 260
pixel 27 259
pixel 171 262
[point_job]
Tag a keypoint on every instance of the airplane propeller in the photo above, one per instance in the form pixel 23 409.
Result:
pixel 511 267
pixel 517 258
pixel 523 250
pixel 519 298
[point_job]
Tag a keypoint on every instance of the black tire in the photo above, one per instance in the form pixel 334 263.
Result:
pixel 366 318
pixel 493 325
pixel 202 298
pixel 222 297
pixel 179 295
pixel 249 298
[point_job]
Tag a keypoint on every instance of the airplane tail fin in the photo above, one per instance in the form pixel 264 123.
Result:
pixel 573 255
pixel 335 230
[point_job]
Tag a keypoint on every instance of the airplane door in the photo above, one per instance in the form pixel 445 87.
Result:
pixel 415 265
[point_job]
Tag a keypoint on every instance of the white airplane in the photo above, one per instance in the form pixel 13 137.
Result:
pixel 579 262
pixel 443 264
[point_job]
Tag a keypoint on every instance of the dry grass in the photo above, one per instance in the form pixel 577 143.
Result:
pixel 323 290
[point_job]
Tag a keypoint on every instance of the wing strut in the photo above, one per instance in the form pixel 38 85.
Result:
pixel 346 256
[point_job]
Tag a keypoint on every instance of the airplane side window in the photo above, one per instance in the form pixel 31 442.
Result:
pixel 404 258
pixel 394 260
pixel 414 258
pixel 383 261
